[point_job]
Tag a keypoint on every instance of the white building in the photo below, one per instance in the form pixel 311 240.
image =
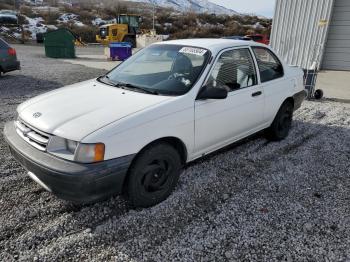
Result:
pixel 313 34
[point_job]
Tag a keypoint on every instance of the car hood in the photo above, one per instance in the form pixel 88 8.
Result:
pixel 76 111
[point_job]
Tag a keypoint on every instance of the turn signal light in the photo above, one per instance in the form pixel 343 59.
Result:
pixel 99 152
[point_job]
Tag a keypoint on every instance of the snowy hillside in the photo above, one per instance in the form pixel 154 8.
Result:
pixel 198 6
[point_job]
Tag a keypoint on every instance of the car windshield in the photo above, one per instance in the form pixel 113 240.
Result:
pixel 160 69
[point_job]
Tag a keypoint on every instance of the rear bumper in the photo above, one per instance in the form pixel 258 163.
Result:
pixel 82 183
pixel 11 66
pixel 299 99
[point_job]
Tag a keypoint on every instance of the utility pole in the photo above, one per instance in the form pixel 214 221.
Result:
pixel 154 13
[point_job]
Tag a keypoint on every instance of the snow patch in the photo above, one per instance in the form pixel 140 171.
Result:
pixel 35 26
pixel 98 21
pixel 198 6
pixel 70 18
pixel 257 25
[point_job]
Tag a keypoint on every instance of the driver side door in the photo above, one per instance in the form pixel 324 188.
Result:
pixel 221 122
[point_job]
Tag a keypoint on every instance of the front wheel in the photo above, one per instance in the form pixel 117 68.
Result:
pixel 154 175
pixel 282 123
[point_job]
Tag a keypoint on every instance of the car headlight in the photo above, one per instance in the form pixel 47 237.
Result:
pixel 90 153
pixel 74 151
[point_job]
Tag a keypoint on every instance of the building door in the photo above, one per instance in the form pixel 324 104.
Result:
pixel 337 51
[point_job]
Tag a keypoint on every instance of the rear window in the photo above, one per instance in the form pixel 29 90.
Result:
pixel 3 44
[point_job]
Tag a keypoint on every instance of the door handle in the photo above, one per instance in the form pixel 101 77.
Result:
pixel 259 93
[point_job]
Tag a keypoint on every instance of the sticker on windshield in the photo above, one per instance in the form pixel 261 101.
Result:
pixel 193 51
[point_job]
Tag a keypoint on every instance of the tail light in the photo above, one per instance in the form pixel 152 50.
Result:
pixel 12 51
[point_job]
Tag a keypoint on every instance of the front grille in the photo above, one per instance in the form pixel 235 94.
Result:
pixel 34 137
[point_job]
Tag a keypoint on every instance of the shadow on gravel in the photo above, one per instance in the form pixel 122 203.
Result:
pixel 250 196
pixel 15 85
pixel 312 142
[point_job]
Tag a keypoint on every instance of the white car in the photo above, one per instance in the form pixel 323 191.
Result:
pixel 134 129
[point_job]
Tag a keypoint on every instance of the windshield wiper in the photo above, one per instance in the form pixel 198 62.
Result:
pixel 131 86
pixel 106 80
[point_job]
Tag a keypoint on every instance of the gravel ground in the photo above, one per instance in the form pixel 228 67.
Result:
pixel 252 201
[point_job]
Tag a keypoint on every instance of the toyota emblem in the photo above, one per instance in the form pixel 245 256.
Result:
pixel 37 115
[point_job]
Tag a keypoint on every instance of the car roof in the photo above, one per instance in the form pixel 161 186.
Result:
pixel 213 44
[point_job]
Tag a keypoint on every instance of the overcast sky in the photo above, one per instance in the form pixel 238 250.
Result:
pixel 259 7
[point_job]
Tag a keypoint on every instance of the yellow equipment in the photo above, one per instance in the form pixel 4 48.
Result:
pixel 124 30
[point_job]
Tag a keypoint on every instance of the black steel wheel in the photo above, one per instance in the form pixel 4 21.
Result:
pixel 318 94
pixel 282 123
pixel 153 175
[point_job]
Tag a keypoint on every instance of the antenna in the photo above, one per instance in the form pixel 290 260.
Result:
pixel 154 13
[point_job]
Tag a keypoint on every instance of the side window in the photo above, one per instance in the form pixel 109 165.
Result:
pixel 270 67
pixel 234 70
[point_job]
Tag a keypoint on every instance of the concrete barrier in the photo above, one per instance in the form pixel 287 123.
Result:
pixel 146 40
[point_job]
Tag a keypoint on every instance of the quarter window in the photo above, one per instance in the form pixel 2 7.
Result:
pixel 270 67
pixel 234 70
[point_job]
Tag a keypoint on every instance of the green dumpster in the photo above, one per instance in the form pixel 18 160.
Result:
pixel 60 44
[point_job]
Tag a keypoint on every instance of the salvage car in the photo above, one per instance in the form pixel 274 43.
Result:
pixel 8 58
pixel 132 130
pixel 8 17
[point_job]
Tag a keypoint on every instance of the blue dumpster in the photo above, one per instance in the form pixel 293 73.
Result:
pixel 120 50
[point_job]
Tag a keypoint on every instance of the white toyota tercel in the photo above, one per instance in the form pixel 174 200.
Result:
pixel 133 129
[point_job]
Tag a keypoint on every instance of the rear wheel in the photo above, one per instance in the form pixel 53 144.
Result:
pixel 282 123
pixel 154 175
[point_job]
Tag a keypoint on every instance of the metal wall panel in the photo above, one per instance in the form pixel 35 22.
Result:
pixel 300 29
pixel 337 51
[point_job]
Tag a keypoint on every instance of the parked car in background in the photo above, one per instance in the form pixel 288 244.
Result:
pixel 263 39
pixel 133 129
pixel 8 58
pixel 237 37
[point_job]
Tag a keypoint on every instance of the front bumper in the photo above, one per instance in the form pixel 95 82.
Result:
pixel 82 183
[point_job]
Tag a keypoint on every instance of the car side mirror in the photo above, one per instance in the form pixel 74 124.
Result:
pixel 212 93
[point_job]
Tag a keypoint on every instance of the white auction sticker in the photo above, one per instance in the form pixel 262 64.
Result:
pixel 193 51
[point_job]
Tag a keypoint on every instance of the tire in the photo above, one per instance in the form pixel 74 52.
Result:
pixel 153 175
pixel 130 40
pixel 318 94
pixel 282 123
